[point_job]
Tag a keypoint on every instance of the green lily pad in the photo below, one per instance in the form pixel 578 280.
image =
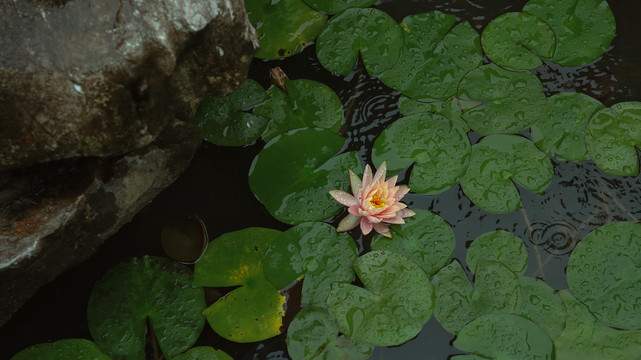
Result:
pixel 449 109
pixel 501 101
pixel 223 121
pixel 397 303
pixel 496 162
pixel 500 246
pixel 336 6
pixel 611 138
pixel 254 311
pixel 603 274
pixel 71 349
pixel 315 250
pixel 149 289
pixel 203 353
pixel 496 290
pixel 425 238
pixel 584 337
pixel 562 132
pixel 439 148
pixel 307 103
pixel 543 306
pixel 293 174
pixel 505 336
pixel 371 32
pixel 436 55
pixel 283 27
pixel 518 41
pixel 584 29
pixel 313 334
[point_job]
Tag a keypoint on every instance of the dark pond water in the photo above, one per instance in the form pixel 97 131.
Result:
pixel 580 198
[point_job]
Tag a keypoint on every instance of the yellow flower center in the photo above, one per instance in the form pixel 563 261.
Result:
pixel 377 202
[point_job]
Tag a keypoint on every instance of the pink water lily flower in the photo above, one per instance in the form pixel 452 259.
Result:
pixel 375 203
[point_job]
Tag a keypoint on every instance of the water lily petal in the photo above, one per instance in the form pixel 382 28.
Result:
pixel 355 210
pixel 366 226
pixel 394 220
pixel 391 182
pixel 402 191
pixel 380 172
pixel 373 219
pixel 348 223
pixel 405 213
pixel 367 177
pixel 383 229
pixel 355 183
pixel 343 197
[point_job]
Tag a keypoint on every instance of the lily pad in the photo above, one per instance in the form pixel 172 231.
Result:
pixel 561 132
pixel 499 101
pixel 283 27
pixel 505 336
pixel 449 109
pixel 203 353
pixel 439 148
pixel 315 250
pixel 254 311
pixel 584 337
pixel 584 29
pixel 336 6
pixel 437 54
pixel 149 289
pixel 425 239
pixel 603 274
pixel 313 334
pixel 225 121
pixel 500 246
pixel 496 162
pixel 293 174
pixel 306 103
pixel 543 306
pixel 397 303
pixel 371 32
pixel 611 138
pixel 496 290
pixel 71 349
pixel 518 41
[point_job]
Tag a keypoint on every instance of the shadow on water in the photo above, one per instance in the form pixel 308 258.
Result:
pixel 580 198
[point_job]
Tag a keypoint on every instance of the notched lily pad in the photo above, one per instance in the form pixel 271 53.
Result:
pixel 603 273
pixel 203 353
pixel 518 41
pixel 62 349
pixel 293 174
pixel 370 32
pixel 613 137
pixel 497 161
pixel 336 6
pixel 439 148
pixel 543 306
pixel 500 246
pixel 449 109
pixel 315 250
pixel 283 27
pixel 393 309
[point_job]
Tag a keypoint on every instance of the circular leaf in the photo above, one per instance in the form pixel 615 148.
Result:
pixel 396 305
pixel 611 138
pixel 336 6
pixel 496 161
pixel 203 353
pixel 222 121
pixel 315 250
pixel 150 287
pixel 439 148
pixel 283 27
pixel 449 109
pixel 518 41
pixel 436 55
pixel 603 273
pixel 584 29
pixel 313 334
pixel 543 306
pixel 293 174
pixel 500 246
pixel 307 103
pixel 371 32
pixel 425 239
pixel 505 336
pixel 561 132
pixel 501 101
pixel 62 349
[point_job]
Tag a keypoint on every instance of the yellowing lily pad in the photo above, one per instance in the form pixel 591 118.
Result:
pixel 336 6
pixel 393 308
pixel 149 289
pixel 497 161
pixel 518 41
pixel 283 27
pixel 603 274
pixel 370 32
pixel 203 353
pixel 439 148
pixel 293 174
pixel 613 136
pixel 62 349
pixel 315 250
pixel 500 246
pixel 425 238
